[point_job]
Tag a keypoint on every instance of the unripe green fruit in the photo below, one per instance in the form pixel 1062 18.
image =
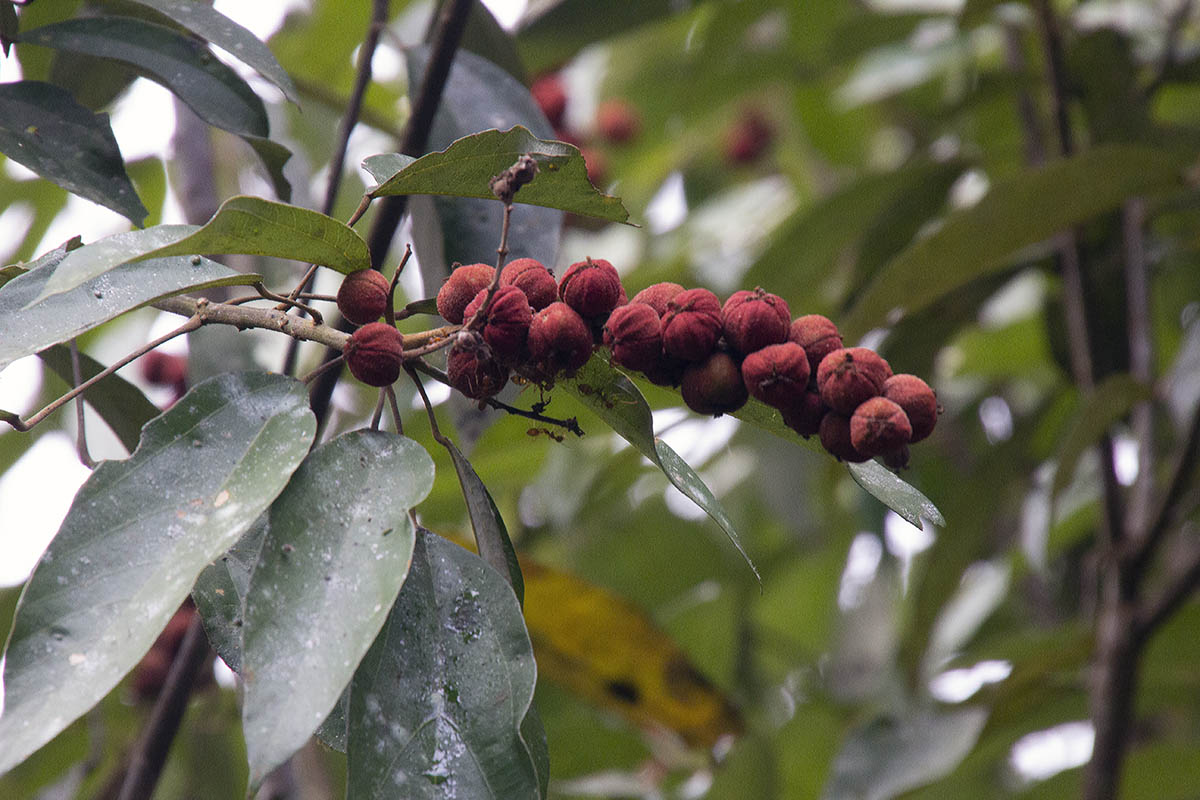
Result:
pixel 375 354
pixel 460 289
pixel 363 296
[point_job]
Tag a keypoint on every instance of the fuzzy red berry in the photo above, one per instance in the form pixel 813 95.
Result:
pixel 714 385
pixel 817 335
pixel 460 289
pixel 748 138
pixel 848 376
pixel 473 368
pixel 363 296
pixel 375 354
pixel 164 369
pixel 692 325
pixel 507 325
pixel 592 287
pixel 559 340
pixel 657 296
pixel 777 374
pixel 634 335
pixel 804 413
pixel 550 93
pixel 918 401
pixel 835 438
pixel 532 278
pixel 879 426
pixel 753 319
pixel 617 121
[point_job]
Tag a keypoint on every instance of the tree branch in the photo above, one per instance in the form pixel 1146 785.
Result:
pixel 150 754
pixel 451 22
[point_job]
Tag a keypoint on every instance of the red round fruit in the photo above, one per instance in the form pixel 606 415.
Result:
pixel 748 138
pixel 918 401
pixel 460 289
pixel 692 325
pixel 507 325
pixel 596 163
pixel 164 369
pixel 617 121
pixel 834 431
pixel 634 335
pixel 753 319
pixel 817 335
pixel 592 287
pixel 805 412
pixel 532 278
pixel 879 426
pixel 559 340
pixel 363 296
pixel 657 296
pixel 848 376
pixel 777 374
pixel 375 354
pixel 714 385
pixel 474 370
pixel 550 93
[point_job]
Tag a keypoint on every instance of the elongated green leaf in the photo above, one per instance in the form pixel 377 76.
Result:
pixel 220 593
pixel 34 321
pixel 136 537
pixel 1015 213
pixel 894 493
pixel 438 704
pixel 465 167
pixel 183 65
pixel 121 404
pixel 247 225
pixel 687 481
pixel 208 23
pixel 616 400
pixel 491 535
pixel 338 545
pixel 1110 402
pixel 43 128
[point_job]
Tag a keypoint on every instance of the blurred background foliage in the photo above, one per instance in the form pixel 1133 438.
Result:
pixel 891 164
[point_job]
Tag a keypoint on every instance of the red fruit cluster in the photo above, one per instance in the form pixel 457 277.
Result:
pixel 616 123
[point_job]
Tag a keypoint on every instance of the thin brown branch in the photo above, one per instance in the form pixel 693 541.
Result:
pixel 1181 584
pixel 397 420
pixel 244 317
pixel 81 446
pixel 24 425
pixel 389 310
pixel 150 754
pixel 1031 122
pixel 377 415
pixel 1160 521
pixel 1052 44
pixel 1141 362
pixel 411 369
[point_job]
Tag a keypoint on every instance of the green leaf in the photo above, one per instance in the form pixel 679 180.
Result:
pixel 220 593
pixel 337 550
pixel 1015 213
pixel 9 26
pixel 183 65
pixel 274 156
pixel 244 225
pixel 136 537
pixel 208 23
pixel 438 706
pixel 556 35
pixel 894 493
pixel 491 535
pixel 1110 402
pixel 35 320
pixel 465 167
pixel 889 756
pixel 121 404
pixel 616 400
pixel 44 129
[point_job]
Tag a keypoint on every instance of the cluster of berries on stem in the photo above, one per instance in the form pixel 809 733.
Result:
pixel 718 354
